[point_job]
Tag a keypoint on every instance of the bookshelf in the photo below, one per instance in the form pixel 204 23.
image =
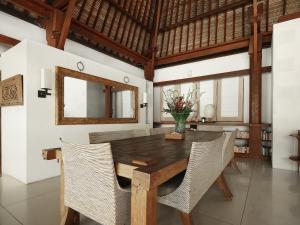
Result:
pixel 242 150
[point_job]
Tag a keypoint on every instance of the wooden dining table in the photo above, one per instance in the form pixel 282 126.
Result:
pixel 148 162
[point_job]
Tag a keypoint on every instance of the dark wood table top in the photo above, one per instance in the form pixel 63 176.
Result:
pixel 155 151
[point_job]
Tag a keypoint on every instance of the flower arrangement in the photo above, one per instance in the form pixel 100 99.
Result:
pixel 177 103
pixel 179 107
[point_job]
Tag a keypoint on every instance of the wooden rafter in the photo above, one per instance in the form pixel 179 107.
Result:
pixel 98 37
pixel 8 40
pixel 212 12
pixel 66 24
pixel 189 29
pixel 203 52
pixel 241 44
pixel 44 10
pixel 59 3
pixel 149 67
pixel 127 14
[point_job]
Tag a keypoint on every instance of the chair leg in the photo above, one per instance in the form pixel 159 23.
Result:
pixel 70 217
pixel 235 166
pixel 221 182
pixel 186 218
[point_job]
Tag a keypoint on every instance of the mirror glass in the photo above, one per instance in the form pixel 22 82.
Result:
pixel 89 99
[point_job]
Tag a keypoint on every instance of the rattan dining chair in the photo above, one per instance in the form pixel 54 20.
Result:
pixel 204 167
pixel 215 128
pixel 228 150
pixel 161 130
pixel 91 186
pixel 101 137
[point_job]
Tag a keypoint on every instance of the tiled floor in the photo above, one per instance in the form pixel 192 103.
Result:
pixel 262 196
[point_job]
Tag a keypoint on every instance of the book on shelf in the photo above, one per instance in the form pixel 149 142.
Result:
pixel 241 149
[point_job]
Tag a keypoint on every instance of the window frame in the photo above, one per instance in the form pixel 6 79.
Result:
pixel 240 117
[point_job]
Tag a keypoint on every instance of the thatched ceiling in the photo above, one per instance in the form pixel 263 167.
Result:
pixel 185 25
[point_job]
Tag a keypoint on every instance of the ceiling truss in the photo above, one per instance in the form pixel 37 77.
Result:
pixel 152 33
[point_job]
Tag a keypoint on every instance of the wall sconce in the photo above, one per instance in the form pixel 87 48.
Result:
pixel 46 83
pixel 145 100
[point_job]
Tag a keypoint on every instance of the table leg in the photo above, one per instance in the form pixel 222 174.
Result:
pixel 222 184
pixel 143 204
pixel 68 216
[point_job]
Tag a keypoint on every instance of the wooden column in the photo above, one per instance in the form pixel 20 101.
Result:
pixel 149 66
pixel 58 26
pixel 255 55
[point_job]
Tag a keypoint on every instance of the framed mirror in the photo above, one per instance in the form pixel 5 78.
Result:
pixel 86 99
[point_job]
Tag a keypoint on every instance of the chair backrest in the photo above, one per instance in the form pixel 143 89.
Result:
pixel 91 187
pixel 161 130
pixel 228 147
pixel 102 137
pixel 210 128
pixel 141 132
pixel 203 169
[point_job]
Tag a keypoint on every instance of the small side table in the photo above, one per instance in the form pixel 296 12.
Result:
pixel 297 157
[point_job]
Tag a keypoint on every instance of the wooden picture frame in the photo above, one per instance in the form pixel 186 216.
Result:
pixel 11 91
pixel 61 73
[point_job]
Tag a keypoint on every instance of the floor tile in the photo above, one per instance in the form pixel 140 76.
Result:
pixel 40 210
pixel 13 191
pixel 262 195
pixel 6 218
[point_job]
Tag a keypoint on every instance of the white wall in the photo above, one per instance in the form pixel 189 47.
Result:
pixel 286 92
pixel 13 118
pixel 102 65
pixel 214 66
pixel 20 29
pixel 209 66
pixel 40 130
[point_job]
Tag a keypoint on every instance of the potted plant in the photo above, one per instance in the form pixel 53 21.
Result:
pixel 179 107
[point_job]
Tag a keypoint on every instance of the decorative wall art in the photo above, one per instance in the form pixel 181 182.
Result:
pixel 11 91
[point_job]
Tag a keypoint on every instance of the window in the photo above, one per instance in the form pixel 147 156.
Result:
pixel 207 90
pixel 183 89
pixel 225 94
pixel 230 99
pixel 166 116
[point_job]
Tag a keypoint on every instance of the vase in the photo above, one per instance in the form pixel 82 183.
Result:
pixel 180 120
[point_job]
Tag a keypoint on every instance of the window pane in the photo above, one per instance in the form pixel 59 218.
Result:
pixel 230 97
pixel 208 90
pixel 165 89
pixel 185 89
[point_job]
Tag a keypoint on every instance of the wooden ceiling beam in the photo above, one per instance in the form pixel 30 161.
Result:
pixel 8 40
pixel 98 37
pixel 66 24
pixel 45 10
pixel 38 7
pixel 59 3
pixel 149 67
pixel 127 14
pixel 224 8
pixel 203 52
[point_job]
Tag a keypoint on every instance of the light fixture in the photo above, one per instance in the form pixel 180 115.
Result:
pixel 80 66
pixel 145 100
pixel 46 83
pixel 126 79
